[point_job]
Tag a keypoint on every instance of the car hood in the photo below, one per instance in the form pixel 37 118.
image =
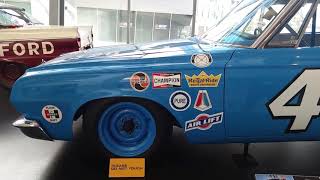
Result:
pixel 125 56
pixel 128 51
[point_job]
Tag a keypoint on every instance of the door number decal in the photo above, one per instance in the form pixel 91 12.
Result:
pixel 306 86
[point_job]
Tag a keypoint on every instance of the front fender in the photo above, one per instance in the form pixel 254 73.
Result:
pixel 69 87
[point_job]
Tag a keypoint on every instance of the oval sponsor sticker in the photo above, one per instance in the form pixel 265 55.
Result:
pixel 201 60
pixel 204 121
pixel 180 100
pixel 52 114
pixel 139 81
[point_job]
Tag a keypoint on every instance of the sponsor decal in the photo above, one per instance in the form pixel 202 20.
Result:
pixel 166 80
pixel 140 81
pixel 203 80
pixel 27 48
pixel 52 114
pixel 203 102
pixel 180 100
pixel 204 121
pixel 201 60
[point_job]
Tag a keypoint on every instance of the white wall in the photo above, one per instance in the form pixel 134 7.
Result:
pixel 104 4
pixel 164 6
pixel 40 10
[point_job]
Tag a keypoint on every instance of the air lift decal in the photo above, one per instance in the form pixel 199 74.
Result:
pixel 203 122
pixel 306 88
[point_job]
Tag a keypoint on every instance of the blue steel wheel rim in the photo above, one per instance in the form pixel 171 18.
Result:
pixel 127 129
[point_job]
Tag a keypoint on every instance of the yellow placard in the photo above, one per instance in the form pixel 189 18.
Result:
pixel 127 167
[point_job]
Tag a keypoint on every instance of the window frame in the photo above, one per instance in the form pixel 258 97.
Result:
pixel 302 29
pixel 283 17
pixel 310 15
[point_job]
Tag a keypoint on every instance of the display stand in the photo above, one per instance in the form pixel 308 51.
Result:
pixel 245 160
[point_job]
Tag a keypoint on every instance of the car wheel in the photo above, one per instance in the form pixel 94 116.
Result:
pixel 9 73
pixel 128 128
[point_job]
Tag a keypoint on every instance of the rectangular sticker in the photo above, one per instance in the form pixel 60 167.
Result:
pixel 127 167
pixel 166 80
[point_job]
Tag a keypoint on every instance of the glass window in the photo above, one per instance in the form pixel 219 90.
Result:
pixel 122 26
pixel 106 30
pixel 180 26
pixel 312 34
pixel 88 17
pixel 149 20
pixel 254 17
pixel 36 11
pixel 161 26
pixel 290 33
pixel 144 27
pixel 132 26
pixel 14 17
pixel 24 5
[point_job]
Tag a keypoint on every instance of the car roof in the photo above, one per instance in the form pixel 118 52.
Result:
pixel 8 6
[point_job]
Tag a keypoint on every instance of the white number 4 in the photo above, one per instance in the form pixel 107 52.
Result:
pixel 308 86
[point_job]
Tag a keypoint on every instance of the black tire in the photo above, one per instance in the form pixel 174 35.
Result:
pixel 164 126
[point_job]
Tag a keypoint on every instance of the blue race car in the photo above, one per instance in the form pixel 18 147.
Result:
pixel 254 77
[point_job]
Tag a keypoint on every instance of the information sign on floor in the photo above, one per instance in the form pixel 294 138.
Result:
pixel 127 167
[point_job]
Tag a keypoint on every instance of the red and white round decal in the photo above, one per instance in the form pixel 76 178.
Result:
pixel 140 81
pixel 52 114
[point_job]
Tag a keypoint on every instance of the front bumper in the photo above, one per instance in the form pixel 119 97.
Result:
pixel 31 129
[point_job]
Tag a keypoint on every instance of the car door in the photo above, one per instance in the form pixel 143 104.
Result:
pixel 272 93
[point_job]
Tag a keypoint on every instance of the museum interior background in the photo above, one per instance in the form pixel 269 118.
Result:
pixel 29 159
pixel 150 20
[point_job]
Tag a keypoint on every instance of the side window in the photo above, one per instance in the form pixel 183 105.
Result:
pixel 289 34
pixel 311 37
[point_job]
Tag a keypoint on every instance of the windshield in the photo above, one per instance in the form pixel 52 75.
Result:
pixel 15 17
pixel 246 22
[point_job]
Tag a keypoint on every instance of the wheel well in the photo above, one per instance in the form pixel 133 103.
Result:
pixel 2 62
pixel 83 107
